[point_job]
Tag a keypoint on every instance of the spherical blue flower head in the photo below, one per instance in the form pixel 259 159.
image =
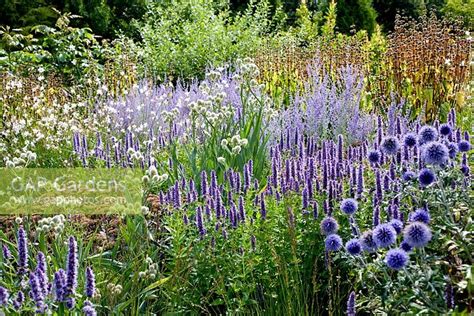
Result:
pixel 328 226
pixel 420 215
pixel 397 225
pixel 408 176
pixel 349 206
pixel 384 235
pixel 445 129
pixel 374 156
pixel 465 170
pixel 409 140
pixel 426 177
pixel 406 246
pixel 435 153
pixel 452 150
pixel 427 134
pixel 396 259
pixel 464 146
pixel 417 234
pixel 367 241
pixel 354 247
pixel 333 242
pixel 390 145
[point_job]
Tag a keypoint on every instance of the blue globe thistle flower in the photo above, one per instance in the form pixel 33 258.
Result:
pixel 409 140
pixel 390 145
pixel 397 225
pixel 354 247
pixel 367 241
pixel 384 235
pixel 406 246
pixel 464 146
pixel 435 153
pixel 349 206
pixel 396 259
pixel 420 215
pixel 427 134
pixel 333 242
pixel 408 176
pixel 417 234
pixel 426 177
pixel 445 129
pixel 452 150
pixel 329 226
pixel 374 156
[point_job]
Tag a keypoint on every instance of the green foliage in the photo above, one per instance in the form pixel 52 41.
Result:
pixel 355 14
pixel 181 39
pixel 461 9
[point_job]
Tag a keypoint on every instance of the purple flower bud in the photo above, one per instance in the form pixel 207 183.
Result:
pixel 340 145
pixel 304 198
pixel 36 291
pixel 7 255
pixel 315 210
pixel 263 209
pixel 378 186
pixel 376 216
pixel 360 181
pixel 242 214
pixel 253 242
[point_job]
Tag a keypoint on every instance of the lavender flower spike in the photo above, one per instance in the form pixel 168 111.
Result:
pixel 90 282
pixel 22 251
pixel 60 285
pixel 71 267
pixel 351 310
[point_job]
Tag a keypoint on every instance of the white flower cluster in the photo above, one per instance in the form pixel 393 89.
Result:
pixel 151 271
pixel 38 116
pixel 235 143
pixel 151 175
pixel 54 224
pixel 115 289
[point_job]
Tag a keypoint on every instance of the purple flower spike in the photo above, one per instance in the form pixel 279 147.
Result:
pixel 90 282
pixel 18 301
pixel 22 251
pixel 72 267
pixel 351 309
pixel 7 255
pixel 3 296
pixel 59 284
